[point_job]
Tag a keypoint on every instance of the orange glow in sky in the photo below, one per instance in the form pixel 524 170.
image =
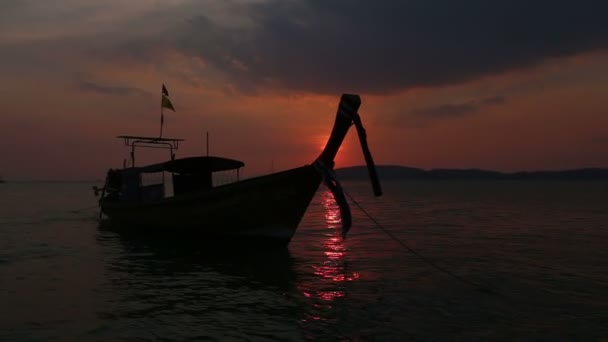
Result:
pixel 85 74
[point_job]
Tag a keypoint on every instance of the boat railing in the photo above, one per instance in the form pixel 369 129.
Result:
pixel 172 144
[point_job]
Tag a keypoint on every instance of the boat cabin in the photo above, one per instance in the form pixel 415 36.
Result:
pixel 174 177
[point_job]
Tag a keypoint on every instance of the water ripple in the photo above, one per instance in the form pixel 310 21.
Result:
pixel 539 245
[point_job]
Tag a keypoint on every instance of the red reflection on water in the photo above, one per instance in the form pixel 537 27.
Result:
pixel 331 295
pixel 332 211
pixel 334 267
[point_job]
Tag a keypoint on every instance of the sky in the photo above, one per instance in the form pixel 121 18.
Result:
pixel 503 85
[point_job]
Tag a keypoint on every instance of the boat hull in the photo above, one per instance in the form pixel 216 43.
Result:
pixel 267 208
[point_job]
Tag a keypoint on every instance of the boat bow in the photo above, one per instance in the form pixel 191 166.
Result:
pixel 346 116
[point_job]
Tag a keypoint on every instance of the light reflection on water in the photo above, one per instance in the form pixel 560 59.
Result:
pixel 157 277
pixel 62 278
pixel 331 272
pixel 334 267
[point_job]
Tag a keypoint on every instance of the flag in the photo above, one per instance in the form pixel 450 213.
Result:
pixel 166 103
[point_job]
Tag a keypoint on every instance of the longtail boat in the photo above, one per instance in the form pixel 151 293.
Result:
pixel 267 208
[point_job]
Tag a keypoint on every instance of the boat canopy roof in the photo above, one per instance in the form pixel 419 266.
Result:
pixel 148 139
pixel 193 165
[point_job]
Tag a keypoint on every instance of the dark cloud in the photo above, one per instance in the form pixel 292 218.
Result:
pixel 600 140
pixel 495 100
pixel 387 46
pixel 458 109
pixel 106 89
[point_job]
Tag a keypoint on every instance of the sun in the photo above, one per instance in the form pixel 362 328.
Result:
pixel 322 141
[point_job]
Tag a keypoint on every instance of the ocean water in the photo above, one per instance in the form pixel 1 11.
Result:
pixel 446 260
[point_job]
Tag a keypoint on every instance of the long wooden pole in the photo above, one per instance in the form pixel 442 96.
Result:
pixel 162 119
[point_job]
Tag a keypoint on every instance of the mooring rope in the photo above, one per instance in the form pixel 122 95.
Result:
pixel 421 257
pixel 468 282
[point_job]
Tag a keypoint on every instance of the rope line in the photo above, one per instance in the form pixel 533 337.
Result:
pixel 421 257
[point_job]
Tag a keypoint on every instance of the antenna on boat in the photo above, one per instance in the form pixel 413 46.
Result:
pixel 162 121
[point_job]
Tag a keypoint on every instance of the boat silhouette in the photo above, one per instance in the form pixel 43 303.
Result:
pixel 266 208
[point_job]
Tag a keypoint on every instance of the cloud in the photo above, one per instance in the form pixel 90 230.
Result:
pixel 325 47
pixel 495 100
pixel 385 47
pixel 457 109
pixel 600 140
pixel 106 89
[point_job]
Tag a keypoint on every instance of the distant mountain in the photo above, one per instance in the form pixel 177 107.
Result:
pixel 390 172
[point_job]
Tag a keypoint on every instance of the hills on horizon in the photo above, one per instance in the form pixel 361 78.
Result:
pixel 397 172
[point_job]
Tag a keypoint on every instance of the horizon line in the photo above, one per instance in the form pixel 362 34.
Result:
pixel 338 168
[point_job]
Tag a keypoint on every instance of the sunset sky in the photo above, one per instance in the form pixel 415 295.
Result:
pixel 504 85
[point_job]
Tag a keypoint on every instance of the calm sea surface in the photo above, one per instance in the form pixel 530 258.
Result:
pixel 496 261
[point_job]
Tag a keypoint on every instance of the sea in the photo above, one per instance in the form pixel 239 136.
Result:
pixel 428 261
